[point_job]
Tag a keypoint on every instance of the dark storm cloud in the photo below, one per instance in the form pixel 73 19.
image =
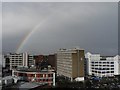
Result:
pixel 0 35
pixel 92 26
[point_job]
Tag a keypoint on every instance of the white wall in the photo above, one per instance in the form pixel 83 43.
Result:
pixel 96 57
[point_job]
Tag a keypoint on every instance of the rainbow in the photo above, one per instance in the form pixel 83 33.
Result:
pixel 26 38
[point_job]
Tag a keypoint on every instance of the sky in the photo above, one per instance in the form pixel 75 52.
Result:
pixel 0 36
pixel 45 27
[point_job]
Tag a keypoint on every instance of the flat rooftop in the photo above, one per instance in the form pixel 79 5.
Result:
pixel 30 85
pixel 32 70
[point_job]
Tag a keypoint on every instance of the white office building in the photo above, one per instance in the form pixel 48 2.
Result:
pixel 20 59
pixel 102 65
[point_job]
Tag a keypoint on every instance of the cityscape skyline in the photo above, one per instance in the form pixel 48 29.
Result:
pixel 46 27
pixel 67 66
pixel 59 45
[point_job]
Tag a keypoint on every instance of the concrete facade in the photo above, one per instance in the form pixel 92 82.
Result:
pixel 70 63
pixel 21 59
pixel 102 65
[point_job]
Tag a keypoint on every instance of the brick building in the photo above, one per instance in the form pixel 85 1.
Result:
pixel 52 61
pixel 35 75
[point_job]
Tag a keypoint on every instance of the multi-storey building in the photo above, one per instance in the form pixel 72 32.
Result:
pixel 30 60
pixel 102 65
pixel 21 59
pixel 35 75
pixel 70 63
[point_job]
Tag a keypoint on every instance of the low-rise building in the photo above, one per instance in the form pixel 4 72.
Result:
pixel 35 75
pixel 8 80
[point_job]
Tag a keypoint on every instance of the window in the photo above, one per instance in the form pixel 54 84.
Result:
pixel 96 68
pixel 112 65
pixel 112 62
pixel 49 75
pixel 103 72
pixel 43 80
pixel 41 75
pixel 112 68
pixel 103 68
pixel 107 65
pixel 112 71
pixel 107 68
pixel 95 71
pixel 104 62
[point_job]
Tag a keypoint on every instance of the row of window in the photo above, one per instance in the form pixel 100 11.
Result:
pixel 16 60
pixel 104 65
pixel 64 63
pixel 104 62
pixel 33 75
pixel 64 59
pixel 42 80
pixel 103 71
pixel 15 56
pixel 65 71
pixel 103 68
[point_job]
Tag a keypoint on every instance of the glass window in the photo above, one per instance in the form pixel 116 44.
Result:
pixel 112 71
pixel 112 68
pixel 112 62
pixel 112 65
pixel 104 62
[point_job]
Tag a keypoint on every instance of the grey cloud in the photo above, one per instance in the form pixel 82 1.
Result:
pixel 92 26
